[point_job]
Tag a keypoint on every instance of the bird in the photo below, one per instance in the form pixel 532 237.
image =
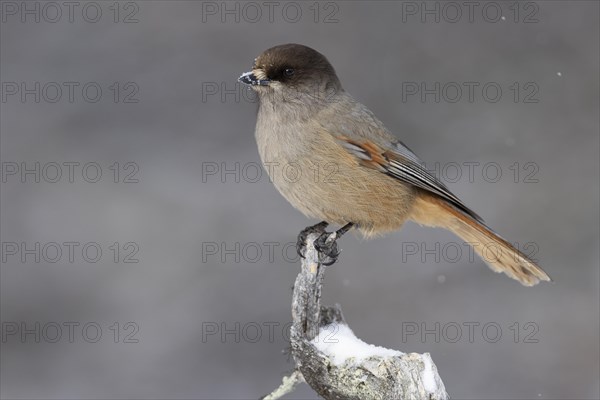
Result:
pixel 334 160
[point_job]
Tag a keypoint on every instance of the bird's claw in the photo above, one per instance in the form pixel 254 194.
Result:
pixel 327 247
pixel 301 243
pixel 325 244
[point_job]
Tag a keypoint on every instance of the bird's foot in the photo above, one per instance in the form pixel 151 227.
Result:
pixel 326 243
pixel 327 247
pixel 301 243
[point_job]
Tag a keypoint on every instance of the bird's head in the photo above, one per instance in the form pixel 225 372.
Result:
pixel 292 71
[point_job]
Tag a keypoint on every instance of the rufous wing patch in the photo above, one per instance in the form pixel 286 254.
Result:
pixel 368 153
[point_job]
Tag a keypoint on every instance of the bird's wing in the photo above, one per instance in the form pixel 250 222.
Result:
pixel 398 161
pixel 363 135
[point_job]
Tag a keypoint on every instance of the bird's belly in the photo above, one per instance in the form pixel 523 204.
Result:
pixel 341 192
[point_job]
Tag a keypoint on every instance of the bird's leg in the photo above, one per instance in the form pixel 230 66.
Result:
pixel 327 246
pixel 300 244
pixel 340 232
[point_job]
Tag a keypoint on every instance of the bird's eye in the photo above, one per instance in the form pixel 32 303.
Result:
pixel 288 72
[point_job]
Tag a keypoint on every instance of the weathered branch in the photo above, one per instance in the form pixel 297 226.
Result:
pixel 287 386
pixel 335 363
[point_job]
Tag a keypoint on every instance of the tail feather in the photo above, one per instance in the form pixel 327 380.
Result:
pixel 498 253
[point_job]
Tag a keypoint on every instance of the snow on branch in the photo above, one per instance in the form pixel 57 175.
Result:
pixel 337 364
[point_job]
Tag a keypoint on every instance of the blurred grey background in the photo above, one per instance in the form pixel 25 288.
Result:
pixel 209 317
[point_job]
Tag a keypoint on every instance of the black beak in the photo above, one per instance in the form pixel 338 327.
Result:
pixel 250 79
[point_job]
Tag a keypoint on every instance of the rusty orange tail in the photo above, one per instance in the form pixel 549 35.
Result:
pixel 499 254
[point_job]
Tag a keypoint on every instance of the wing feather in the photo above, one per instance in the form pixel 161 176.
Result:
pixel 400 162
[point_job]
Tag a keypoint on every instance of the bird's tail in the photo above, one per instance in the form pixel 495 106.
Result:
pixel 499 254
